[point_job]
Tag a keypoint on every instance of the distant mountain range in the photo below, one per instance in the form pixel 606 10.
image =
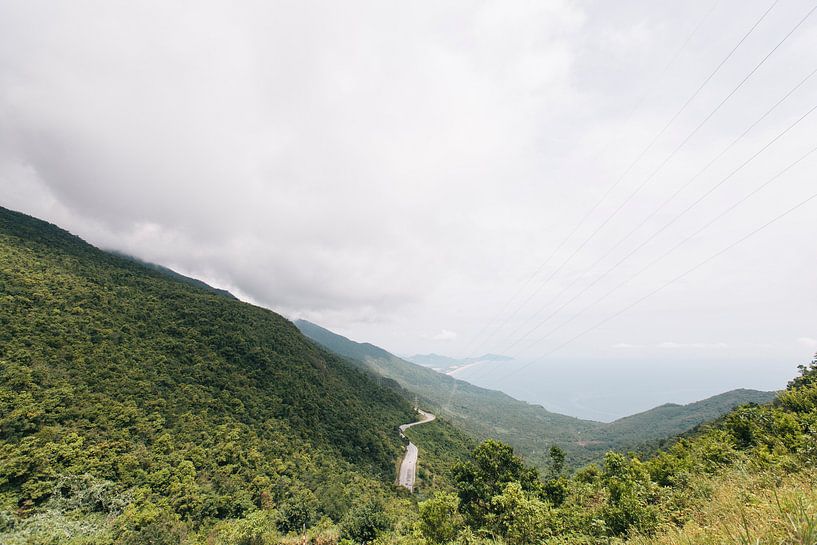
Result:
pixel 530 428
pixel 447 364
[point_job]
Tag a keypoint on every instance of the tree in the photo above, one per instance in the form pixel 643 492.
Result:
pixel 298 511
pixel 492 466
pixel 148 524
pixel 557 461
pixel 632 495
pixel 518 517
pixel 439 519
pixel 808 375
pixel 363 523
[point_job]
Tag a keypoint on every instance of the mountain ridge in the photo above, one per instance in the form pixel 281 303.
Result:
pixel 526 426
pixel 438 360
pixel 127 382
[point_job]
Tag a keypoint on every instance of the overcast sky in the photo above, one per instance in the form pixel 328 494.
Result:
pixel 397 171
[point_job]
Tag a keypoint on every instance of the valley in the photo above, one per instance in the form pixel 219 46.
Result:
pixel 503 272
pixel 528 427
pixel 137 405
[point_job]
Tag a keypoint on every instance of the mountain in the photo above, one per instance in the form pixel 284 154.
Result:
pixel 137 404
pixel 481 412
pixel 445 363
pixel 670 420
pixel 531 429
pixel 177 276
pixel 140 407
pixel 432 360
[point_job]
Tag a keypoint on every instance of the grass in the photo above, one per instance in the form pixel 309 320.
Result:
pixel 750 509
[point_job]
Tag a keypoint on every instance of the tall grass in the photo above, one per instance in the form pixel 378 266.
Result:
pixel 750 509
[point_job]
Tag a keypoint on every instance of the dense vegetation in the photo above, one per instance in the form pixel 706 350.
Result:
pixel 530 428
pixel 749 478
pixel 135 405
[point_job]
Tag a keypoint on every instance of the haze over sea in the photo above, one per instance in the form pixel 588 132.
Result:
pixel 607 390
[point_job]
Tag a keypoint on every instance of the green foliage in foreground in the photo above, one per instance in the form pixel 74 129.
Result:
pixel 498 498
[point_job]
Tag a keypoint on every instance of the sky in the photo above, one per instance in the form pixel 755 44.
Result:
pixel 449 177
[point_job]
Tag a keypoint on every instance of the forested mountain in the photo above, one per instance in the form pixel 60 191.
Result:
pixel 481 412
pixel 136 407
pixel 669 420
pixel 176 276
pixel 530 428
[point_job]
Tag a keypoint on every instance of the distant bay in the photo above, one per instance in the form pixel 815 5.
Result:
pixel 607 390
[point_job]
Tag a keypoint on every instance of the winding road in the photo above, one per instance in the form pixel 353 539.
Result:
pixel 408 468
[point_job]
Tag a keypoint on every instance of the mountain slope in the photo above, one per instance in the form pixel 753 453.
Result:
pixel 177 276
pixel 529 428
pixel 670 420
pixel 176 402
pixel 483 413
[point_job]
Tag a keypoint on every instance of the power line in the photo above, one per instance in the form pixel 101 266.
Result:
pixel 672 154
pixel 685 273
pixel 676 246
pixel 627 171
pixel 638 104
pixel 678 216
pixel 662 74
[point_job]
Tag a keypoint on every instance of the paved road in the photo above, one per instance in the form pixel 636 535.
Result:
pixel 408 469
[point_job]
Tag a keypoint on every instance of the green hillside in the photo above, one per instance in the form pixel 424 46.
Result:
pixel 176 276
pixel 530 428
pixel 746 479
pixel 481 412
pixel 670 420
pixel 139 408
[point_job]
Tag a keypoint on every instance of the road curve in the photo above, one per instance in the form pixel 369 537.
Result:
pixel 408 468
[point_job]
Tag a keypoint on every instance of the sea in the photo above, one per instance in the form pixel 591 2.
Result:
pixel 610 389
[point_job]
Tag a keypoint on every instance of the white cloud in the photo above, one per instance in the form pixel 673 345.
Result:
pixel 391 169
pixel 706 345
pixel 626 345
pixel 444 335
pixel 808 342
pixel 669 344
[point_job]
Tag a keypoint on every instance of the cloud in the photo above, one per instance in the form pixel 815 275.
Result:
pixel 626 345
pixel 444 335
pixel 391 169
pixel 674 345
pixel 808 342
pixel 669 344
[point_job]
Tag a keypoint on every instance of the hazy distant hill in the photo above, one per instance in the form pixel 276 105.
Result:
pixel 445 363
pixel 671 419
pixel 530 428
pixel 432 360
